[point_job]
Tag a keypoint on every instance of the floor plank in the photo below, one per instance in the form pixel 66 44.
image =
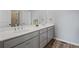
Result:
pixel 60 44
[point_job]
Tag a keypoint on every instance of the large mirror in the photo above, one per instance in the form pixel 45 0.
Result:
pixel 15 15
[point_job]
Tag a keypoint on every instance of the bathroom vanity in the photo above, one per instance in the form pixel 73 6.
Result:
pixel 29 37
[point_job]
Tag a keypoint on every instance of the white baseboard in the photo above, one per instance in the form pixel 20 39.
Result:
pixel 66 41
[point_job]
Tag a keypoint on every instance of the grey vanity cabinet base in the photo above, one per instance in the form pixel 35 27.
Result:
pixel 16 41
pixel 36 39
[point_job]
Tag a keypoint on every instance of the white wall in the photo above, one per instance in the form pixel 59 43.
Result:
pixel 25 17
pixel 5 18
pixel 67 25
pixel 41 15
pixel 35 15
pixel 51 15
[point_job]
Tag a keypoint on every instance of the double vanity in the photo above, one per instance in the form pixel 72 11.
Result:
pixel 27 37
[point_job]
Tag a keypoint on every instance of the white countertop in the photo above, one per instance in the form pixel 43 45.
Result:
pixel 5 35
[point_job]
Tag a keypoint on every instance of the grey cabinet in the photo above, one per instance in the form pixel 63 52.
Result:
pixel 16 41
pixel 32 43
pixel 43 37
pixel 36 39
pixel 50 33
pixel 13 42
pixel 36 42
pixel 26 44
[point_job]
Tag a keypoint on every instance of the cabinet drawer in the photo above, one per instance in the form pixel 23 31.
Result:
pixel 27 44
pixel 13 42
pixel 1 44
pixel 18 40
pixel 43 37
pixel 50 35
pixel 36 42
pixel 43 30
pixel 50 27
pixel 31 35
pixel 43 44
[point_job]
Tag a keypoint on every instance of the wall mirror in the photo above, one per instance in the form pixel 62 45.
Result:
pixel 15 18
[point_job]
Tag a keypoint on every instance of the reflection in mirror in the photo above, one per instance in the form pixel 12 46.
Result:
pixel 15 15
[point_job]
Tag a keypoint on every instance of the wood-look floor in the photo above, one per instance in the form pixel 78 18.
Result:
pixel 59 44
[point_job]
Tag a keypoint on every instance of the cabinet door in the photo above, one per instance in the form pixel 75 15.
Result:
pixel 43 43
pixel 43 39
pixel 50 34
pixel 36 42
pixel 27 44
